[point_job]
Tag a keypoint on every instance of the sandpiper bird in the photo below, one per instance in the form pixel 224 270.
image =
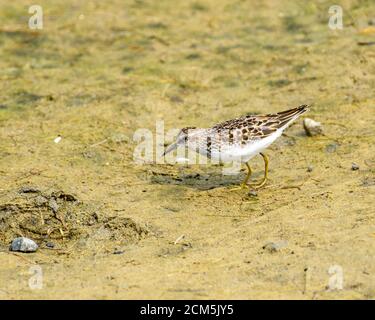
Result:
pixel 238 139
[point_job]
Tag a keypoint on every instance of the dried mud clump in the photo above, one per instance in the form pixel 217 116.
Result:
pixel 60 217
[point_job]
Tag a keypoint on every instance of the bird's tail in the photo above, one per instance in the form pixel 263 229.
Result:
pixel 288 116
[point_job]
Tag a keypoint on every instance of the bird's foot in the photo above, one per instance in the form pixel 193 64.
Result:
pixel 240 187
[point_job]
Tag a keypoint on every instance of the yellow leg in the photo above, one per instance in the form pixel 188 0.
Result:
pixel 263 182
pixel 244 184
pixel 255 185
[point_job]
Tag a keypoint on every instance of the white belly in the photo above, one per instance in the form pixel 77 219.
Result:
pixel 246 152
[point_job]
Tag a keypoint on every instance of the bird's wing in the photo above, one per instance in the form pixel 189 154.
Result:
pixel 253 127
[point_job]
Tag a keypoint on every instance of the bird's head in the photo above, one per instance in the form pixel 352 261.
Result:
pixel 184 137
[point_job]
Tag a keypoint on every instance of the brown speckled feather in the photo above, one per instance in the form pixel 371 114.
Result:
pixel 239 138
pixel 258 126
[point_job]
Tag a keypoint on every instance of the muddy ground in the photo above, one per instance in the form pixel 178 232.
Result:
pixel 109 228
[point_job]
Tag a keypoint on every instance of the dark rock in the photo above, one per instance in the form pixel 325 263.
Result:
pixel 63 196
pixel 28 189
pixel 118 251
pixel 355 166
pixel 50 245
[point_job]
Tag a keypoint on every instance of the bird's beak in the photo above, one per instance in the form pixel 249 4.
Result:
pixel 170 148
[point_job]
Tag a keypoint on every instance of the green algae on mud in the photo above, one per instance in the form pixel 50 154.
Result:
pixel 96 80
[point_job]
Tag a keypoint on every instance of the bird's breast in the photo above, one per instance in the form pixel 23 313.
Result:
pixel 228 152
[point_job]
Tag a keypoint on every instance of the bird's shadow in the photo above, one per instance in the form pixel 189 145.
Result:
pixel 200 181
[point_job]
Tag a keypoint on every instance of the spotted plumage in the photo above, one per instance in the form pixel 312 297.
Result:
pixel 238 139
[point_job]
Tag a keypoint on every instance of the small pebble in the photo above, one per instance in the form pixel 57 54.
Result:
pixel 57 139
pixel 23 245
pixel 310 168
pixel 312 128
pixel 253 193
pixel 355 166
pixel 28 189
pixel 275 246
pixel 50 245
pixel 331 148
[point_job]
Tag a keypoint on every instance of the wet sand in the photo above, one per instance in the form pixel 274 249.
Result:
pixel 109 228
